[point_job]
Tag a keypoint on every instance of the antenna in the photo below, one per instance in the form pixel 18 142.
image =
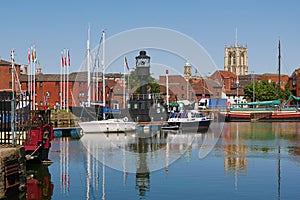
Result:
pixel 236 38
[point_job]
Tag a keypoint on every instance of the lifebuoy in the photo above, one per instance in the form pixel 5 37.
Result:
pixel 125 119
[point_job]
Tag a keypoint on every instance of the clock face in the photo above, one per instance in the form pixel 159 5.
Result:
pixel 142 62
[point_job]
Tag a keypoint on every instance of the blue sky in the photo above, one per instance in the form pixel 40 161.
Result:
pixel 54 25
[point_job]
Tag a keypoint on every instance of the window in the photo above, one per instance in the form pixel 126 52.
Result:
pixel 10 85
pixel 41 103
pixel 10 70
pixel 56 83
pixel 47 94
pixel 81 94
pixel 41 84
pixel 294 79
pixel 182 87
pixel 80 84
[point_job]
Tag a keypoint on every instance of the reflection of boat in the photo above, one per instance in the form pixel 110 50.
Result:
pixel 108 126
pixel 191 120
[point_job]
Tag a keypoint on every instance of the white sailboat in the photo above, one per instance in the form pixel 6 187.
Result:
pixel 107 125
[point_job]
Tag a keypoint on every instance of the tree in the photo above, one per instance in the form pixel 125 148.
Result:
pixel 134 82
pixel 264 91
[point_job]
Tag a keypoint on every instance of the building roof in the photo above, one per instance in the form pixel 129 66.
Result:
pixel 6 63
pixel 73 77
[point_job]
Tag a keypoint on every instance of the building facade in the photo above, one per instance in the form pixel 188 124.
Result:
pixel 236 59
pixel 6 76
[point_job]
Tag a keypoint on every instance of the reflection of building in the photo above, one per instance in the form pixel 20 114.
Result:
pixel 142 172
pixel 235 154
pixel 235 157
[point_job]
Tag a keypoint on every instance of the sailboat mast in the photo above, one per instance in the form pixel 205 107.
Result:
pixel 88 68
pixel 103 71
pixel 279 57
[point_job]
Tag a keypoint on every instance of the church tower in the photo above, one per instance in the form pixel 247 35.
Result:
pixel 236 59
pixel 187 70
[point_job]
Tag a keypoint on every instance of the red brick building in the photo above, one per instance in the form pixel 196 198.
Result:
pixel 193 89
pixel 273 78
pixel 5 76
pixel 48 87
pixel 294 82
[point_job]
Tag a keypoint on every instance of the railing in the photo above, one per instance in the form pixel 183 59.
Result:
pixel 24 118
pixel 145 96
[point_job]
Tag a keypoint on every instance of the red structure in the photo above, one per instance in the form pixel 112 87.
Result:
pixel 39 136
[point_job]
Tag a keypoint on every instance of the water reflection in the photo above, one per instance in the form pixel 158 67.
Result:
pixel 267 138
pixel 241 149
pixel 38 183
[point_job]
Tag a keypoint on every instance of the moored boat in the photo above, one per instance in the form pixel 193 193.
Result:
pixel 108 126
pixel 261 111
pixel 191 120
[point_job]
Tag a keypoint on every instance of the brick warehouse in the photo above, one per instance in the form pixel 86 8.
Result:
pixel 48 89
pixel 5 75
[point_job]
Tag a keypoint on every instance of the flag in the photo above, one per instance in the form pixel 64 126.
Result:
pixel 126 63
pixel 69 59
pixel 28 56
pixel 62 59
pixel 65 59
pixel 33 55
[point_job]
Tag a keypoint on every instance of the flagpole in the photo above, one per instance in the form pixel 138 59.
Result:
pixel 68 66
pixel 34 66
pixel 64 85
pixel 167 87
pixel 31 66
pixel 61 69
pixel 103 72
pixel 28 72
pixel 124 85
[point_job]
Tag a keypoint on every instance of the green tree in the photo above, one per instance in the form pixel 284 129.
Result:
pixel 264 91
pixel 134 82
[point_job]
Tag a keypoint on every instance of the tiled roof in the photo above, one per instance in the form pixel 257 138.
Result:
pixel 73 77
pixel 226 74
pixel 6 63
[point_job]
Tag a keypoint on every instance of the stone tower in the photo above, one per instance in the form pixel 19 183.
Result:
pixel 236 59
pixel 187 70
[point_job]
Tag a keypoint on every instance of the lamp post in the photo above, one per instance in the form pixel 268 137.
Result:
pixel 187 88
pixel 253 84
pixel 237 89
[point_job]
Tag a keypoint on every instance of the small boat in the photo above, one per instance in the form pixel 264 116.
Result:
pixel 191 120
pixel 108 126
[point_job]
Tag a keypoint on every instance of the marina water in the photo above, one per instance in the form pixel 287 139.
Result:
pixel 249 160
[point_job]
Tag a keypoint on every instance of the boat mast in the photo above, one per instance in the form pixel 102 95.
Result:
pixel 12 98
pixel 279 57
pixel 88 68
pixel 103 72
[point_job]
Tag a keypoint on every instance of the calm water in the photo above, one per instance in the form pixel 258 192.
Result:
pixel 249 160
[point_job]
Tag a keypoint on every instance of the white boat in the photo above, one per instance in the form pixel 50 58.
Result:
pixel 191 120
pixel 108 126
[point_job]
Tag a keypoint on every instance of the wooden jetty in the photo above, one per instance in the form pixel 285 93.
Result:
pixel 12 169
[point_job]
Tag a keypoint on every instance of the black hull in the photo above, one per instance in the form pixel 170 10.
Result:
pixel 198 126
